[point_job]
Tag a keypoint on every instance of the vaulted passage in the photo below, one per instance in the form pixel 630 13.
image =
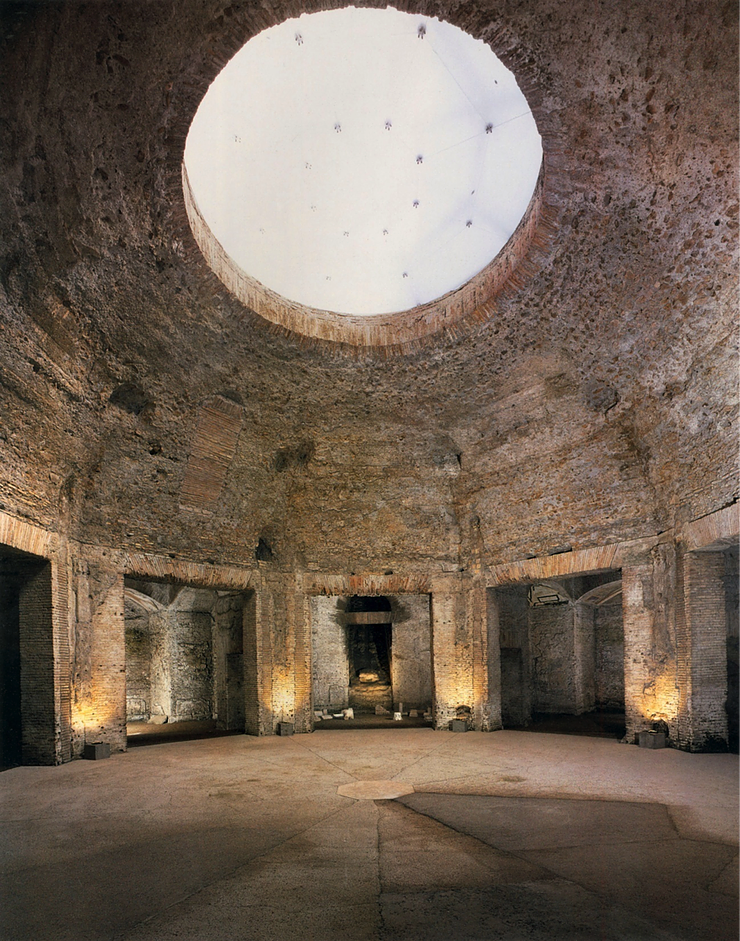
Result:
pixel 371 654
pixel 184 660
pixel 369 625
pixel 562 654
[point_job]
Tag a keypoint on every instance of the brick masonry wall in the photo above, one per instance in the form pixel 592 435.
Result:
pixel 10 671
pixel 732 583
pixel 299 613
pixel 493 662
pixel 191 651
pixel 138 664
pixel 553 659
pixel 277 647
pixel 228 660
pixel 411 661
pixel 99 667
pixel 185 659
pixel 706 622
pixel 654 674
pixel 584 657
pixel 458 623
pixel 508 623
pixel 62 628
pixel 256 678
pixel 330 666
pixel 663 638
pixel 37 668
pixel 609 672
pixel 160 669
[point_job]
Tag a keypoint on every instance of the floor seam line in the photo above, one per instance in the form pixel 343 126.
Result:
pixel 226 875
pixel 412 763
pixel 381 920
pixel 326 760
pixel 521 858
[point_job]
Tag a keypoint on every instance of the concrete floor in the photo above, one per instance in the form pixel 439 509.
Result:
pixel 508 836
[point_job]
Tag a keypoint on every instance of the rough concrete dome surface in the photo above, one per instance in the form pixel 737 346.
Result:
pixel 594 402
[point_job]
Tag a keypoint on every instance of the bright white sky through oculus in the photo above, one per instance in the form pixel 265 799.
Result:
pixel 363 161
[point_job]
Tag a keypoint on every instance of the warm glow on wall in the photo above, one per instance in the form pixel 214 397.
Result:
pixel 90 719
pixel 279 701
pixel 659 700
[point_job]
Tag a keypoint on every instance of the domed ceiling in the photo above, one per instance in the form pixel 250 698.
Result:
pixel 589 396
pixel 362 161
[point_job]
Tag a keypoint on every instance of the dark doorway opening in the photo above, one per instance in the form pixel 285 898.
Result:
pixel 10 664
pixel 369 647
pixel 26 660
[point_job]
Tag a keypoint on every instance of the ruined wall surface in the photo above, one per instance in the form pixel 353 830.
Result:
pixel 329 654
pixel 551 639
pixel 10 670
pixel 609 636
pixel 138 664
pixel 509 630
pixel 584 658
pixel 732 587
pixel 228 660
pixel 37 668
pixel 411 660
pixel 594 402
pixel 703 627
pixel 99 665
pixel 596 405
pixel 192 666
pixel 185 660
pixel 277 655
pixel 653 668
pixel 460 651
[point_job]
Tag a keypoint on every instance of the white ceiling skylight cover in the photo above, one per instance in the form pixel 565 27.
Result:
pixel 363 161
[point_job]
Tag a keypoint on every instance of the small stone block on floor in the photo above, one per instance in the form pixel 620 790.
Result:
pixel 650 739
pixel 96 750
pixel 285 728
pixel 458 725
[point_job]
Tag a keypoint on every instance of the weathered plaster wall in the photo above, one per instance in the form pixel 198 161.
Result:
pixel 596 405
pixel 609 675
pixel 732 584
pixel 411 669
pixel 139 644
pixel 330 664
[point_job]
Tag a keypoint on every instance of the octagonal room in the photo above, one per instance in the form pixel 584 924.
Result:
pixel 369 376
